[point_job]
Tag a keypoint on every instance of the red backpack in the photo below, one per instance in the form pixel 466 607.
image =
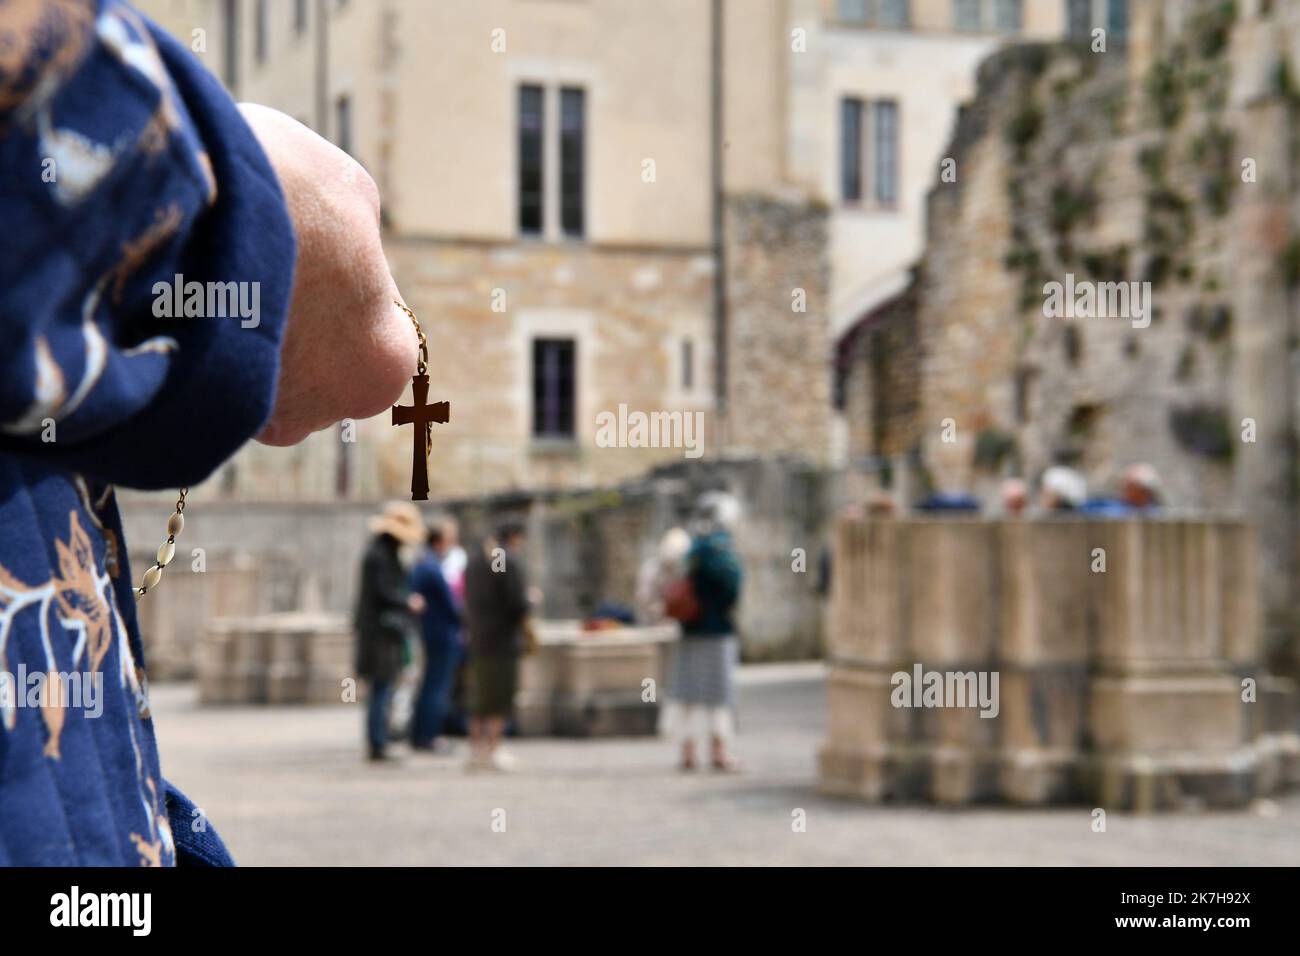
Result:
pixel 680 602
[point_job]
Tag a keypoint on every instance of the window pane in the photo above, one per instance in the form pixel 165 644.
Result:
pixel 1117 18
pixel 1008 15
pixel 852 11
pixel 530 159
pixel 553 388
pixel 1078 18
pixel 893 14
pixel 851 149
pixel 966 14
pixel 572 144
pixel 886 152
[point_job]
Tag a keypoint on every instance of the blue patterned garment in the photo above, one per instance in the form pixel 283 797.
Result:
pixel 123 163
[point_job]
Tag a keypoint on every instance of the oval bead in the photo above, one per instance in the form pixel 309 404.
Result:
pixel 166 552
pixel 152 577
pixel 176 523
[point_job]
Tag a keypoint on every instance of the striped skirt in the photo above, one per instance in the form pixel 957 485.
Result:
pixel 701 670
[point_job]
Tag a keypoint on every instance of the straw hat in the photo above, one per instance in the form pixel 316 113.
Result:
pixel 401 519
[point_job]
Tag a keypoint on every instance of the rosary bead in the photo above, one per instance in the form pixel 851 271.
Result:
pixel 152 577
pixel 175 524
pixel 166 552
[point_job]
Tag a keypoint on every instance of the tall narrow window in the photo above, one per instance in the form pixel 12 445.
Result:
pixel 1008 15
pixel 1078 18
pixel 1117 18
pixel 852 11
pixel 343 123
pixel 231 66
pixel 851 149
pixel 530 160
pixel 966 14
pixel 260 31
pixel 688 365
pixel 299 17
pixel 893 14
pixel 573 137
pixel 886 153
pixel 554 388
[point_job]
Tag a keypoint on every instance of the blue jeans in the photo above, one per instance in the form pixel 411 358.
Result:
pixel 381 692
pixel 440 661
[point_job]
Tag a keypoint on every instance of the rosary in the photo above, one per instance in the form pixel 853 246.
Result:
pixel 419 412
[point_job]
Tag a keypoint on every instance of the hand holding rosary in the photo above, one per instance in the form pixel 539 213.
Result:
pixel 418 413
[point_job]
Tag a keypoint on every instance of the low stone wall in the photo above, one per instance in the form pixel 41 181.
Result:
pixel 1128 687
pixel 592 683
pixel 292 658
pixel 576 684
pixel 584 548
pixel 172 618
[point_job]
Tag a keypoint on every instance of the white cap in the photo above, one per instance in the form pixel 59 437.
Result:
pixel 1067 484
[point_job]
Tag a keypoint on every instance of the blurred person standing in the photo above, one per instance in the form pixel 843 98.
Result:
pixel 497 601
pixel 440 619
pixel 454 560
pixel 702 671
pixel 658 573
pixel 384 619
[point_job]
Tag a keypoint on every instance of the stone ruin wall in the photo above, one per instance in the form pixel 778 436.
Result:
pixel 1127 166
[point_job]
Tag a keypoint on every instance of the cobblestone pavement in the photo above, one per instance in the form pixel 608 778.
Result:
pixel 288 786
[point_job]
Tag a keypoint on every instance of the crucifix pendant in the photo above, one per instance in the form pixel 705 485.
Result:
pixel 422 415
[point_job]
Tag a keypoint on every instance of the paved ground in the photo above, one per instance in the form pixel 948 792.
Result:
pixel 287 786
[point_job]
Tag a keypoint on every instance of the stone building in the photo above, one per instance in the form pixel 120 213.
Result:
pixel 581 228
pixel 1169 160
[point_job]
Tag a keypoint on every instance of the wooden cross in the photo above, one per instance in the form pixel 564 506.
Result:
pixel 422 415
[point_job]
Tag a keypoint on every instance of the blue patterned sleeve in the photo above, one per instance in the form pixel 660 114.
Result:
pixel 146 253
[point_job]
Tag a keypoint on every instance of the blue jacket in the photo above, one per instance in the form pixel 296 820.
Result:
pixel 123 163
pixel 715 574
pixel 440 622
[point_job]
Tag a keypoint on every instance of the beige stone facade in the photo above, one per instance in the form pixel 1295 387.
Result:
pixel 692 128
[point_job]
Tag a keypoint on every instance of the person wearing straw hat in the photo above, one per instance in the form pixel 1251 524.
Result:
pixel 384 620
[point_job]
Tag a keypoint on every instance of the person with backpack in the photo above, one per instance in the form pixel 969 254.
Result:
pixel 701 677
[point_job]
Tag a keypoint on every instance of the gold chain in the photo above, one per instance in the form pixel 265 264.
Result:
pixel 167 550
pixel 421 367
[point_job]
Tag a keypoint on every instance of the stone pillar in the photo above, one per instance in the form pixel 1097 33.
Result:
pixel 1178 629
pixel 1123 684
pixel 1264 380
pixel 1048 593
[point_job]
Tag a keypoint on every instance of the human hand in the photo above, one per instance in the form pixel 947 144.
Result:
pixel 348 351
